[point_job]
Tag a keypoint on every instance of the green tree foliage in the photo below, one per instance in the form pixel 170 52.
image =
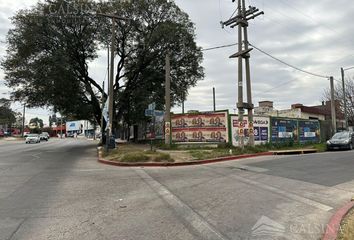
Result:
pixel 52 44
pixel 36 123
pixel 7 116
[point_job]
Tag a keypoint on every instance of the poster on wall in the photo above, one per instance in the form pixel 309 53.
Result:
pixel 260 130
pixel 309 131
pixel 155 129
pixel 284 130
pixel 201 127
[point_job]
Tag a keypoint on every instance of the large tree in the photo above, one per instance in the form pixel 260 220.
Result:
pixel 36 123
pixel 52 44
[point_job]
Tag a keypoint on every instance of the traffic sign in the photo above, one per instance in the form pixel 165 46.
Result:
pixel 149 112
pixel 152 106
pixel 159 113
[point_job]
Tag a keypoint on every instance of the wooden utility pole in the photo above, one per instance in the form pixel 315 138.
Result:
pixel 333 107
pixel 182 103
pixel 241 20
pixel 102 118
pixel 168 101
pixel 23 120
pixel 214 105
pixel 344 100
pixel 110 86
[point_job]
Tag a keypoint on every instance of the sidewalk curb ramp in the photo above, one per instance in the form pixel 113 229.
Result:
pixel 177 164
pixel 333 226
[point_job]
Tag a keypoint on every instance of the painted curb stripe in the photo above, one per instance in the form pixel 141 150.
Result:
pixel 333 226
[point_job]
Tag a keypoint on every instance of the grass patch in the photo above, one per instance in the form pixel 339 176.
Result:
pixel 141 152
pixel 162 157
pixel 134 157
pixel 346 232
pixel 226 150
pixel 135 153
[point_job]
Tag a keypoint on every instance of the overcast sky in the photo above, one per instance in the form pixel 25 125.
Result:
pixel 317 36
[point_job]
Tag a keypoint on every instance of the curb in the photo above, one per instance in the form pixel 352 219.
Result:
pixel 333 226
pixel 178 164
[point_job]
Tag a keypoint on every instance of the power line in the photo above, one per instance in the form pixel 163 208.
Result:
pixel 271 56
pixel 287 64
pixel 218 47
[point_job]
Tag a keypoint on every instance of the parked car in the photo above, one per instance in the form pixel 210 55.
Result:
pixel 33 138
pixel 341 140
pixel 70 134
pixel 7 134
pixel 43 137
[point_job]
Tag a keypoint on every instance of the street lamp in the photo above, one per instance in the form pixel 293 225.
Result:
pixel 110 84
pixel 344 98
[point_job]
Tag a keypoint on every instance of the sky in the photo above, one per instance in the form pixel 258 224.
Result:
pixel 317 36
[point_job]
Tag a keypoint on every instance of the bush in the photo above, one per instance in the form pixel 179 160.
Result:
pixel 134 157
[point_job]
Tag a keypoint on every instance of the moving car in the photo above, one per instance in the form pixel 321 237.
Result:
pixel 44 137
pixel 33 138
pixel 341 140
pixel 46 134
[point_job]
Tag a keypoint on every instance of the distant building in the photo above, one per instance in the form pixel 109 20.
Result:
pixel 320 112
pixel 83 127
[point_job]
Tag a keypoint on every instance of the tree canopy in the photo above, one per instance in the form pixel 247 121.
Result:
pixel 52 44
pixel 36 123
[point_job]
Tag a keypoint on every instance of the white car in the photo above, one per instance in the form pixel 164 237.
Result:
pixel 33 138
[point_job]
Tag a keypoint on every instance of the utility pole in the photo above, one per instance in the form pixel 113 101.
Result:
pixel 183 103
pixel 344 100
pixel 214 106
pixel 102 118
pixel 61 126
pixel 110 84
pixel 333 107
pixel 168 100
pixel 110 87
pixel 241 20
pixel 23 120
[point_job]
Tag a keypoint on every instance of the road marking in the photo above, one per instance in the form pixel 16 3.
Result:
pixel 280 192
pixel 196 221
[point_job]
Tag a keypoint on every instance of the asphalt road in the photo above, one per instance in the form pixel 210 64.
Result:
pixel 57 190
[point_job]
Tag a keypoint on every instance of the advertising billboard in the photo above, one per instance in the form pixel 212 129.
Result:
pixel 309 131
pixel 200 127
pixel 74 126
pixel 260 130
pixel 284 130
